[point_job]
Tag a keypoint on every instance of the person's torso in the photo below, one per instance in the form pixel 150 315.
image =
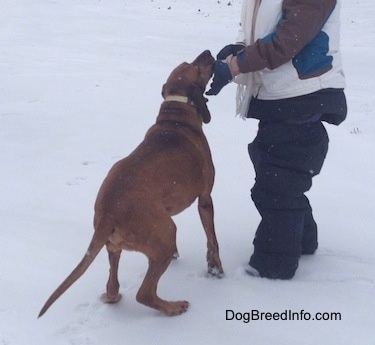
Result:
pixel 317 66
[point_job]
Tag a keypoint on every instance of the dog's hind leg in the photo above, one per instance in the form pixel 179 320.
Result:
pixel 112 295
pixel 159 258
pixel 206 212
pixel 147 294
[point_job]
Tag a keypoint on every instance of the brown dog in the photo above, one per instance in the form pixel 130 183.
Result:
pixel 162 177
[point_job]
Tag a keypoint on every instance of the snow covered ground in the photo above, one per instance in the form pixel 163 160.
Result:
pixel 80 83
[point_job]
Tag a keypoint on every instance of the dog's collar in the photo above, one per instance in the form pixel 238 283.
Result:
pixel 177 98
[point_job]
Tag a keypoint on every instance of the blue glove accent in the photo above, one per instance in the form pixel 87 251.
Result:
pixel 222 76
pixel 230 49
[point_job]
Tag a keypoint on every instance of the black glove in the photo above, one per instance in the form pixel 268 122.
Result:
pixel 230 49
pixel 222 76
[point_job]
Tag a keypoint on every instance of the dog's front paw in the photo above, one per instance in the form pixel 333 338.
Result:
pixel 215 271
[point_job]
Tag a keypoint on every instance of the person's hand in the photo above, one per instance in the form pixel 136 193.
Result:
pixel 224 73
pixel 230 49
pixel 222 76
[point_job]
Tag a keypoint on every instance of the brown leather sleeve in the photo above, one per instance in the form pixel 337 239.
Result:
pixel 300 23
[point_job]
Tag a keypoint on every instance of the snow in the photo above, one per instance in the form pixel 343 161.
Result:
pixel 80 83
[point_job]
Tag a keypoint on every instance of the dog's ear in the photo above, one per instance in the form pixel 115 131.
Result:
pixel 196 94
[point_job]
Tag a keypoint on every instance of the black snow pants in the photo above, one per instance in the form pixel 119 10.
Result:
pixel 286 156
pixel 288 151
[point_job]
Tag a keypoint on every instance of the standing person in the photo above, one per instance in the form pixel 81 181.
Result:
pixel 288 67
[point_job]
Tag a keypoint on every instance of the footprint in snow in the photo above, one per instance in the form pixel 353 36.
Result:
pixel 76 181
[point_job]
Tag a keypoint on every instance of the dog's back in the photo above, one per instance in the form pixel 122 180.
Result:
pixel 172 165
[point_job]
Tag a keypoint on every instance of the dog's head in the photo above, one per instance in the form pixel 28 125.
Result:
pixel 190 80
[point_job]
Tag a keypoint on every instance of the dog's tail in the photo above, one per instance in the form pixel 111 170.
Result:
pixel 94 248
